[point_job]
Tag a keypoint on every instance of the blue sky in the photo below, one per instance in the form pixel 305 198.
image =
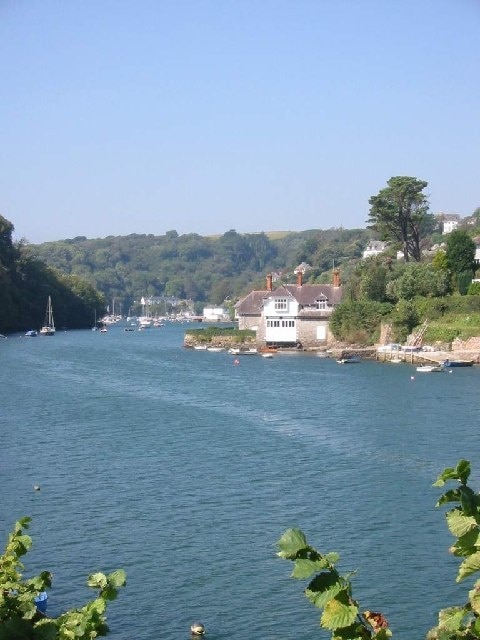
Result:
pixel 121 117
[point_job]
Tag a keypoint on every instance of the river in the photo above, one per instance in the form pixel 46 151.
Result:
pixel 184 469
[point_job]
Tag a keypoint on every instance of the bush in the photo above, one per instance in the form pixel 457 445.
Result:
pixel 356 318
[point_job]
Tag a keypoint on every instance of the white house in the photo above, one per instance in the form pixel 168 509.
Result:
pixel 215 314
pixel 374 248
pixel 292 314
pixel 450 222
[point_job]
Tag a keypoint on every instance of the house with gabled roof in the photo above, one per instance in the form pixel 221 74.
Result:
pixel 291 315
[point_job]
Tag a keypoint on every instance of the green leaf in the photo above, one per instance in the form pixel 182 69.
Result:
pixel 97 580
pixel 291 543
pixel 461 473
pixel 453 495
pixel 304 568
pixel 474 597
pixel 451 618
pixel 468 501
pixel 323 588
pixel 469 566
pixel 467 544
pixel 354 631
pixel 476 628
pixel 118 578
pixel 339 612
pixel 46 630
pixel 460 524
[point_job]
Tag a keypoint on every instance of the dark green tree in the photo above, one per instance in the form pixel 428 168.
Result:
pixel 460 251
pixel 399 214
pixel 460 256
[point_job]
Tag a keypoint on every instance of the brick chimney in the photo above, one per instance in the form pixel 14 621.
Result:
pixel 269 282
pixel 299 279
pixel 336 278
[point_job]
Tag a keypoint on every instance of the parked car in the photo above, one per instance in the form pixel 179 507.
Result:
pixel 388 348
pixel 407 348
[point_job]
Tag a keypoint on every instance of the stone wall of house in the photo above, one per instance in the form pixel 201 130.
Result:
pixel 307 333
pixel 261 328
pixel 249 322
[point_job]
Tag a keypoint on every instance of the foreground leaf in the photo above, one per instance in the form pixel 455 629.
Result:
pixel 304 568
pixel 460 524
pixel 469 566
pixel 451 618
pixel 474 597
pixel 323 588
pixel 291 543
pixel 339 612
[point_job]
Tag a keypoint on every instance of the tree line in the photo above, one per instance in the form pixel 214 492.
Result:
pixel 220 269
pixel 26 282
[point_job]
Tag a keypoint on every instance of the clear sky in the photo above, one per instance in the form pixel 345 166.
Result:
pixel 142 116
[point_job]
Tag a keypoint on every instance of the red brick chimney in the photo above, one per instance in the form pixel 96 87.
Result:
pixel 336 278
pixel 269 282
pixel 299 279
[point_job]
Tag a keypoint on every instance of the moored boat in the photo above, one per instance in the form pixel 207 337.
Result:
pixel 457 363
pixel 430 368
pixel 349 360
pixel 48 328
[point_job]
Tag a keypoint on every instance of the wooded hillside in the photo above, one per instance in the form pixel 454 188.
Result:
pixel 26 283
pixel 207 270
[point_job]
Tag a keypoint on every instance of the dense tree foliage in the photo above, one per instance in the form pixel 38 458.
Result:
pixel 358 321
pixel 459 255
pixel 26 283
pixel 207 270
pixel 399 213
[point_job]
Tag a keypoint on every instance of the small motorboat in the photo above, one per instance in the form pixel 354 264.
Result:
pixel 457 363
pixel 349 360
pixel 430 368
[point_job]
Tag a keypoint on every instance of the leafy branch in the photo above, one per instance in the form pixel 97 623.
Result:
pixel 19 618
pixel 463 522
pixel 331 591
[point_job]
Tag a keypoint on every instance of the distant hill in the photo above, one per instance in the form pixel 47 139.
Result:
pixel 205 269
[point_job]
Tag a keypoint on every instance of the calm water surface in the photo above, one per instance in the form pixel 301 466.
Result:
pixel 185 470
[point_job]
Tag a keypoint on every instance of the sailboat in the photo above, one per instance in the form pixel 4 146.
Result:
pixel 48 328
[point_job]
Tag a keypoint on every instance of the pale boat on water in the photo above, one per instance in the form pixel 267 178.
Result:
pixel 349 360
pixel 48 328
pixel 430 368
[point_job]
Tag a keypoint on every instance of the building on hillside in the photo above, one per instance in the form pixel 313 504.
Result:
pixel 450 222
pixel 302 268
pixel 291 315
pixel 215 314
pixel 476 259
pixel 374 248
